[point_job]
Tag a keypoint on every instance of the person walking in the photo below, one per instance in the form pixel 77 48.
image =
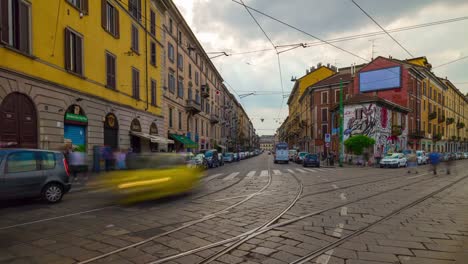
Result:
pixel 412 162
pixel 434 157
pixel 449 163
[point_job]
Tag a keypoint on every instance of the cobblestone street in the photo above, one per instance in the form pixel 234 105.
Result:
pixel 255 212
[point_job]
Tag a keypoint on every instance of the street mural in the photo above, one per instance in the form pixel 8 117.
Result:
pixel 374 121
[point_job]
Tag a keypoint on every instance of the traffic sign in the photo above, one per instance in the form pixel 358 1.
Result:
pixel 327 138
pixel 327 144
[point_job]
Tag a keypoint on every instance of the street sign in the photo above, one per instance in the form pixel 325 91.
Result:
pixel 327 138
pixel 327 144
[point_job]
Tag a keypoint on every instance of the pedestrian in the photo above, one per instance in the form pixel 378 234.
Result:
pixel 412 162
pixel 449 163
pixel 434 157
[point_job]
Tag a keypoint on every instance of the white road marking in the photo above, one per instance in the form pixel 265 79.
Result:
pixel 343 196
pixel 311 170
pixel 334 186
pixel 344 211
pixel 417 176
pixel 322 170
pixel 242 196
pixel 263 173
pixel 291 171
pixel 209 178
pixel 231 176
pixel 325 257
pixel 299 170
pixel 250 174
pixel 277 172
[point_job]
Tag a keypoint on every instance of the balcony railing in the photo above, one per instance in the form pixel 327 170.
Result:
pixel 441 119
pixel 460 125
pixel 432 115
pixel 417 134
pixel 214 119
pixel 205 91
pixel 192 106
pixel 449 121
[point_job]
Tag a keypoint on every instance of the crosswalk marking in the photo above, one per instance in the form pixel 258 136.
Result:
pixel 311 170
pixel 264 173
pixel 231 176
pixel 209 178
pixel 277 172
pixel 299 170
pixel 322 170
pixel 291 171
pixel 250 174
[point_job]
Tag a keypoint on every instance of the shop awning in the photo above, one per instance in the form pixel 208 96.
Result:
pixel 187 142
pixel 221 146
pixel 152 138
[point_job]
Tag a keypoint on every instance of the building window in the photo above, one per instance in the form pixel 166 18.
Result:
pixel 196 126
pixel 429 128
pixel 81 5
pixel 170 117
pixel 202 127
pixel 170 25
pixel 170 51
pixel 324 114
pixel 424 88
pixel 153 53
pixel 180 37
pixel 190 71
pixel 324 130
pixel 190 93
pixel 135 39
pixel 324 97
pixel 197 76
pixel 15 24
pixel 110 19
pixel 196 59
pixel 180 88
pixel 358 113
pixel 180 120
pixel 135 83
pixel 180 62
pixel 152 22
pixel 197 96
pixel 134 7
pixel 153 92
pixel 73 52
pixel 430 92
pixel 171 82
pixel 424 105
pixel 110 70
pixel 337 96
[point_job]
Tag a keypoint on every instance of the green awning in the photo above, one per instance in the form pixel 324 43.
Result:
pixel 187 142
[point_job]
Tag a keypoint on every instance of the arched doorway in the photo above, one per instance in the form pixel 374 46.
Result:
pixel 153 132
pixel 111 131
pixel 135 142
pixel 18 122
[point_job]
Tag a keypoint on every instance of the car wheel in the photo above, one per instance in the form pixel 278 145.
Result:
pixel 275 162
pixel 303 165
pixel 381 166
pixel 287 162
pixel 52 193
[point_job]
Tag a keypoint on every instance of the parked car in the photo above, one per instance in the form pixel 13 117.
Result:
pixel 394 160
pixel 221 159
pixel 292 154
pixel 422 157
pixel 311 160
pixel 300 157
pixel 33 173
pixel 242 155
pixel 465 155
pixel 228 157
pixel 458 155
pixel 212 159
pixel 199 161
pixel 235 156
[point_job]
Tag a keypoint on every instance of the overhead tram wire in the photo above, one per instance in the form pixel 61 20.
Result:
pixel 377 23
pixel 450 62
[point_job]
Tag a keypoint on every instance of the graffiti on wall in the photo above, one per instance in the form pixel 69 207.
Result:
pixel 374 121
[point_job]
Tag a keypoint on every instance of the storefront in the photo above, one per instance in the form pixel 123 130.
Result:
pixel 135 140
pixel 75 128
pixel 183 142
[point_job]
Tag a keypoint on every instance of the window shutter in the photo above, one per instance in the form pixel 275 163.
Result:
pixel 113 72
pixel 79 55
pixel 4 30
pixel 85 7
pixel 108 70
pixel 24 27
pixel 117 23
pixel 67 49
pixel 104 14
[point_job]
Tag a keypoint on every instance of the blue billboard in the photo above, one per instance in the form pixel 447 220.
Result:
pixel 381 79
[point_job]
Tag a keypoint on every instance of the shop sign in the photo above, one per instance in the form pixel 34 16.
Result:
pixel 75 117
pixel 111 121
pixel 135 126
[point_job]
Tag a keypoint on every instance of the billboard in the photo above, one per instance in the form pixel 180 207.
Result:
pixel 381 79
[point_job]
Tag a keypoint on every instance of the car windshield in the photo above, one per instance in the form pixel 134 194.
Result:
pixel 312 156
pixel 301 154
pixel 209 154
pixel 391 156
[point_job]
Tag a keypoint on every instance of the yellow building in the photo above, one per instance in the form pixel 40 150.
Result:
pixel 299 109
pixel 89 72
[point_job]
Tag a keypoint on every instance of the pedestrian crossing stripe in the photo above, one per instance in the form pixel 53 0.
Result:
pixel 264 173
pixel 311 170
pixel 299 170
pixel 291 171
pixel 251 174
pixel 276 172
pixel 231 176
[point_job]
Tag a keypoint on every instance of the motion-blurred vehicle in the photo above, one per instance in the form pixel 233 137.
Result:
pixel 422 157
pixel 311 160
pixel 221 159
pixel 300 157
pixel 212 158
pixel 281 153
pixel 26 173
pixel 152 176
pixel 292 154
pixel 228 157
pixel 394 160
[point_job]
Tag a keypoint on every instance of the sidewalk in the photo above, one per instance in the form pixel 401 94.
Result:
pixel 85 183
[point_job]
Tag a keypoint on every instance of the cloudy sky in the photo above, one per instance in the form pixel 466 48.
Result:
pixel 224 25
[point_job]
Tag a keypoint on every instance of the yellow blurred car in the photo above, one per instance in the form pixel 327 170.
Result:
pixel 152 176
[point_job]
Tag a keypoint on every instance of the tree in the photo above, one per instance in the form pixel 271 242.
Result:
pixel 356 144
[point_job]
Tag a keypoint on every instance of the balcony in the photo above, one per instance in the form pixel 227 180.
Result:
pixel 205 91
pixel 416 134
pixel 460 125
pixel 397 130
pixel 192 106
pixel 214 119
pixel 432 115
pixel 441 119
pixel 449 121
pixel 436 137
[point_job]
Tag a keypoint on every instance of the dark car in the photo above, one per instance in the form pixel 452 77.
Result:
pixel 28 173
pixel 311 160
pixel 300 157
pixel 212 158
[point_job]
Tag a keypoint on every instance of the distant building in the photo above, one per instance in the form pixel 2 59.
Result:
pixel 267 142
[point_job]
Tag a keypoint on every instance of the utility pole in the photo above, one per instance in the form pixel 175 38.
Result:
pixel 341 124
pixel 373 46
